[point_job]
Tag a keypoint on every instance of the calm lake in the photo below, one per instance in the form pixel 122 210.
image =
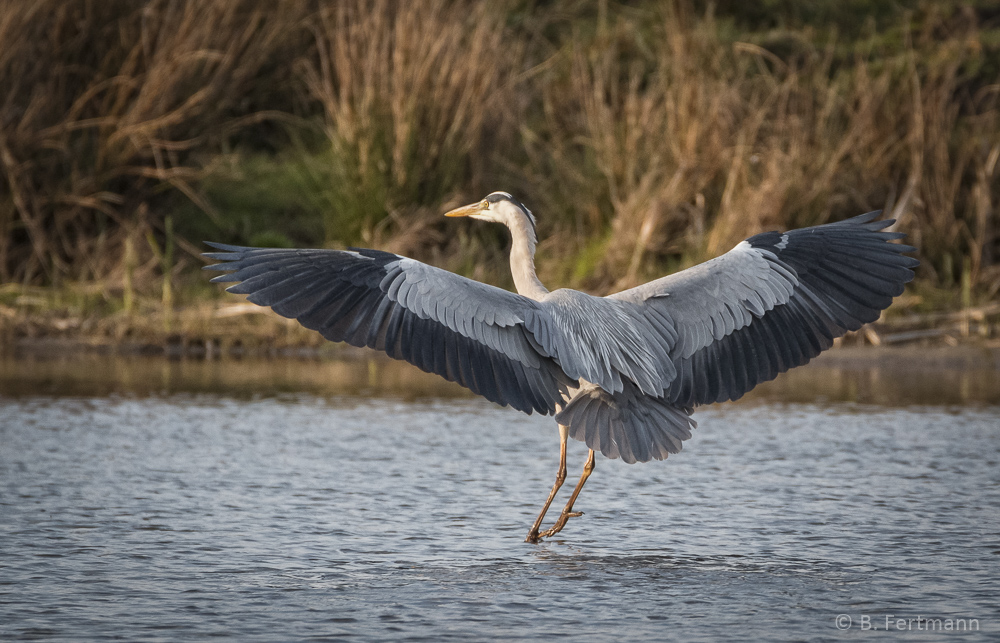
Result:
pixel 143 499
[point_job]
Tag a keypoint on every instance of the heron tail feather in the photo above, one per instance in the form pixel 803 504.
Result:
pixel 628 424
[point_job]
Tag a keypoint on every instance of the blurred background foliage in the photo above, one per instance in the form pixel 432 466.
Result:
pixel 645 135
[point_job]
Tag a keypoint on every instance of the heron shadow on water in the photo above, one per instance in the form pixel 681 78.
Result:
pixel 621 373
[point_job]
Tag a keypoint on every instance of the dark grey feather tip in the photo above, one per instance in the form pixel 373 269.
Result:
pixel 863 218
pixel 221 279
pixel 226 246
pixel 221 256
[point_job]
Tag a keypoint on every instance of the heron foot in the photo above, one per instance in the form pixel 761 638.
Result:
pixel 559 524
pixel 534 536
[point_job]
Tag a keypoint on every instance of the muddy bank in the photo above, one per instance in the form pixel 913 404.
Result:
pixel 881 375
pixel 244 331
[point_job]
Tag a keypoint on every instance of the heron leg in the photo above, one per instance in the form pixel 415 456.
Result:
pixel 567 511
pixel 560 478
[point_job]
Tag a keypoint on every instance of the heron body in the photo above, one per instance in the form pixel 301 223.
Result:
pixel 621 373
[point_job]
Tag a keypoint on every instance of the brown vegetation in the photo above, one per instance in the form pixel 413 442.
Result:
pixel 646 137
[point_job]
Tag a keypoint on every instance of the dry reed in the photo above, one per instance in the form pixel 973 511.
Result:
pixel 694 143
pixel 646 137
pixel 105 102
pixel 411 95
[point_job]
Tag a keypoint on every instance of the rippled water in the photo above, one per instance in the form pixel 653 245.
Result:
pixel 312 516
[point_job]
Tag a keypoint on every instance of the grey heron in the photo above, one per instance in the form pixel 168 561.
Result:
pixel 620 373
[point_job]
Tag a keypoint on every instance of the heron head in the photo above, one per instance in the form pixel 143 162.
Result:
pixel 499 207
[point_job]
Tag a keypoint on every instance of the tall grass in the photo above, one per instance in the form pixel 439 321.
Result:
pixel 646 136
pixel 105 104
pixel 684 139
pixel 412 98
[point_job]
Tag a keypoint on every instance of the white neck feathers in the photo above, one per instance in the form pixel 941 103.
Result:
pixel 522 252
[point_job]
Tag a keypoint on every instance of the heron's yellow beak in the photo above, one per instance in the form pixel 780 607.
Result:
pixel 466 210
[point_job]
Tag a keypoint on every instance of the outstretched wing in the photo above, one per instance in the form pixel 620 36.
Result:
pixel 467 332
pixel 772 303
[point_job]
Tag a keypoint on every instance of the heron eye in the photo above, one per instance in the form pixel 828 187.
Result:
pixel 486 204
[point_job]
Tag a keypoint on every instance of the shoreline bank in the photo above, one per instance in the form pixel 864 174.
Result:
pixel 977 355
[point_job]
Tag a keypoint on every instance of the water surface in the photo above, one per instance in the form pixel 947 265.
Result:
pixel 171 505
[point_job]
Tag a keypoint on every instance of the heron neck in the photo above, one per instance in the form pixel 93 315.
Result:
pixel 522 260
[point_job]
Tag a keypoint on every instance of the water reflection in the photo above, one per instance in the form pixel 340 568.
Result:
pixel 867 381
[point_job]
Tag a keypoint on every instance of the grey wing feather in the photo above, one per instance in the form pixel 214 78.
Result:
pixel 628 424
pixel 463 330
pixel 711 300
pixel 772 303
pixel 598 340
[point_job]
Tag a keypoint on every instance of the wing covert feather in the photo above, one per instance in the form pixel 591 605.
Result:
pixel 467 332
pixel 772 303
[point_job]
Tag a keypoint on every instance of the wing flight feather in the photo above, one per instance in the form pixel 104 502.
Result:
pixel 467 332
